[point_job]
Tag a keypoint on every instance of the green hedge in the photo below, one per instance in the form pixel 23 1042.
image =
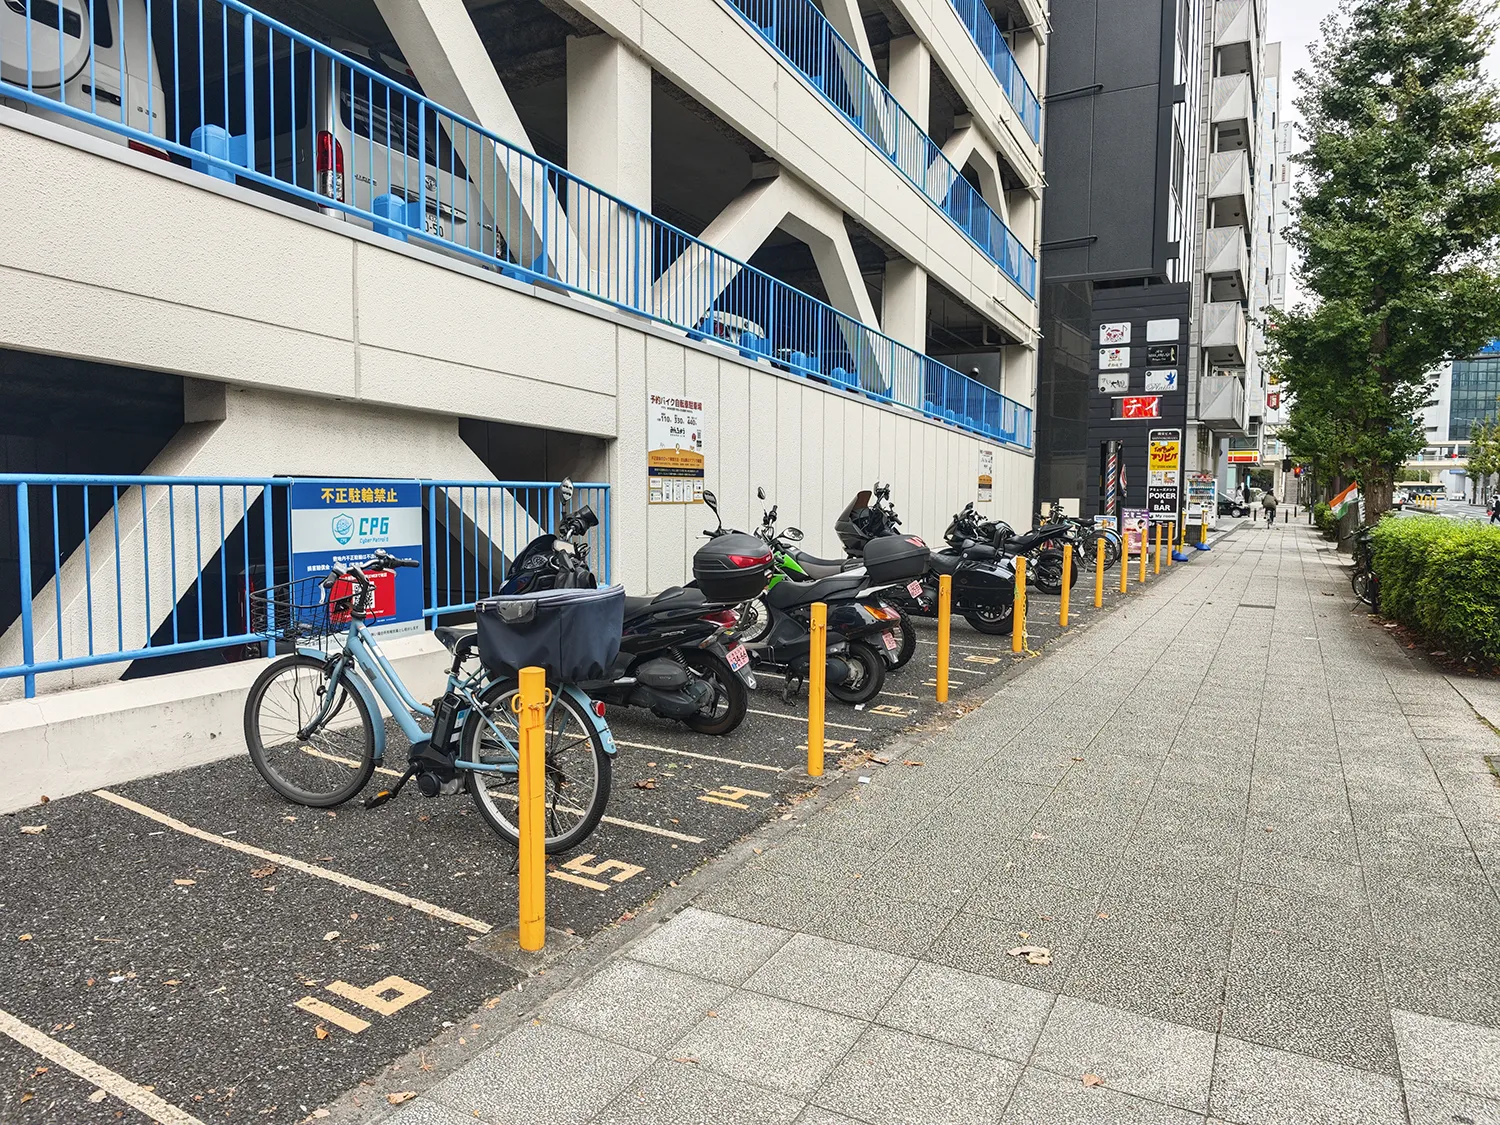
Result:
pixel 1442 577
pixel 1323 519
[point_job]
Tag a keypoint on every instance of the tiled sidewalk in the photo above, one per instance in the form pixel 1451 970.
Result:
pixel 1261 845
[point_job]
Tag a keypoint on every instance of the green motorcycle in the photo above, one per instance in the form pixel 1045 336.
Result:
pixel 755 616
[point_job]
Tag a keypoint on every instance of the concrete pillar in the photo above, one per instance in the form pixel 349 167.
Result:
pixel 967 146
pixel 903 312
pixel 911 77
pixel 1022 214
pixel 609 146
pixel 609 117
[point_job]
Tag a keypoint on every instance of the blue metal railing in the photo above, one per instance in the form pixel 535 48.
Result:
pixel 246 99
pixel 802 35
pixel 996 53
pixel 111 569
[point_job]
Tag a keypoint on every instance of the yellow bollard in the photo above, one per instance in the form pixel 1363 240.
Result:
pixel 1145 551
pixel 945 624
pixel 1062 609
pixel 817 687
pixel 1160 531
pixel 1171 541
pixel 1018 609
pixel 1124 560
pixel 1203 528
pixel 531 860
pixel 1099 574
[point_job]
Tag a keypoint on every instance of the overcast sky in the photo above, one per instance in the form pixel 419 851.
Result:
pixel 1294 23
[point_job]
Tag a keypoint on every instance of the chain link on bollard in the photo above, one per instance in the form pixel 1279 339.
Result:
pixel 817 687
pixel 1062 607
pixel 1099 573
pixel 1018 609
pixel 945 626
pixel 530 705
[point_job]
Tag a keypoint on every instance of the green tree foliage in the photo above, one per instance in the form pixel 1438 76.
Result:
pixel 1483 457
pixel 1397 219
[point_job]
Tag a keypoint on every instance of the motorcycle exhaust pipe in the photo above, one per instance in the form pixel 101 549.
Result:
pixel 837 670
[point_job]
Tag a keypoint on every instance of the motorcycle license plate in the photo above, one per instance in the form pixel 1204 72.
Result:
pixel 914 589
pixel 890 641
pixel 738 657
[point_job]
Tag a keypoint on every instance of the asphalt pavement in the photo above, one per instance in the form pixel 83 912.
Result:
pixel 208 950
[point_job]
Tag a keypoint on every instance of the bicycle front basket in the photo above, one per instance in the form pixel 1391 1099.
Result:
pixel 573 634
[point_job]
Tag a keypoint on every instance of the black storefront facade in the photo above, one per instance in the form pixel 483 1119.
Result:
pixel 1122 115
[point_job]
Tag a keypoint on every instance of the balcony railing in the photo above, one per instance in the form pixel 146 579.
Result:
pixel 246 99
pixel 802 35
pixel 996 52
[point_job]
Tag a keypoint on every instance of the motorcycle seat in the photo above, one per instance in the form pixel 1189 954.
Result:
pixel 791 595
pixel 824 568
pixel 673 597
pixel 458 637
pixel 945 562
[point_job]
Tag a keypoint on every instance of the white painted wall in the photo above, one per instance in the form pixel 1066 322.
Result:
pixel 810 450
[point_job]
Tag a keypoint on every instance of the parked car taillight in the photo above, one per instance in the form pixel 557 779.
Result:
pixel 330 167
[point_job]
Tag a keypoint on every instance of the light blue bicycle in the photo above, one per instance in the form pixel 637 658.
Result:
pixel 313 726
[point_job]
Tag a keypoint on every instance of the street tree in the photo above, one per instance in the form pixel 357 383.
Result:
pixel 1397 218
pixel 1483 457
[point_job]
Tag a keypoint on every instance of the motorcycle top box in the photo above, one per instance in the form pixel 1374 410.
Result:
pixel 894 558
pixel 732 568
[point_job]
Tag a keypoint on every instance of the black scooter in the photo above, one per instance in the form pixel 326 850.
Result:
pixel 676 659
pixel 984 578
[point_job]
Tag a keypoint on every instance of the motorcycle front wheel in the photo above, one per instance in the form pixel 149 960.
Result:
pixel 867 675
pixel 990 620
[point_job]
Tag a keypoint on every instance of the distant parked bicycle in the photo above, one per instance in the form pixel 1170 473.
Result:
pixel 1366 583
pixel 1089 538
pixel 315 733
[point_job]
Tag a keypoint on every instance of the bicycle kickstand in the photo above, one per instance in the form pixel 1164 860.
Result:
pixel 393 792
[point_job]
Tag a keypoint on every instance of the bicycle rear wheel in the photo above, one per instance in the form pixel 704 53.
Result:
pixel 576 773
pixel 321 767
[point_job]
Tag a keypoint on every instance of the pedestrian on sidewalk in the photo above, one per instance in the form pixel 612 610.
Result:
pixel 1268 502
pixel 1495 508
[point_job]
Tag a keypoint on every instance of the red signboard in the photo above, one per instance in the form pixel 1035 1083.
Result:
pixel 1273 400
pixel 1140 406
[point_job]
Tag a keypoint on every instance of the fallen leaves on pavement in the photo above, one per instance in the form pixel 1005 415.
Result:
pixel 1092 1080
pixel 1034 954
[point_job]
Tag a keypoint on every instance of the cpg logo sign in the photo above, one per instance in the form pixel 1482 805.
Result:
pixel 347 522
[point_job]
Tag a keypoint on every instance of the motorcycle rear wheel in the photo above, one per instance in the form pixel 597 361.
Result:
pixel 871 675
pixel 727 711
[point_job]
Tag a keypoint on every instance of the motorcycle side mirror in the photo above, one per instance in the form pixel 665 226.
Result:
pixel 712 501
pixel 567 490
pixel 794 534
pixel 760 493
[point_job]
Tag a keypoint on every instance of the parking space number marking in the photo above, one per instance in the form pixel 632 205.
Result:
pixel 731 795
pixel 374 998
pixel 575 870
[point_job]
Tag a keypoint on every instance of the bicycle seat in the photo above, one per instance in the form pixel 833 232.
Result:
pixel 460 640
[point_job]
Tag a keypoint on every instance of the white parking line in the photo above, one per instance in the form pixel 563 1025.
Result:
pixel 800 719
pixel 615 820
pixel 136 1097
pixel 442 913
pixel 894 694
pixel 700 757
pixel 970 648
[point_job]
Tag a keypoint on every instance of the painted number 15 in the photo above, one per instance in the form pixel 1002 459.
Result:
pixel 374 525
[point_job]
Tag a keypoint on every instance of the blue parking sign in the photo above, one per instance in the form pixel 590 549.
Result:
pixel 347 521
